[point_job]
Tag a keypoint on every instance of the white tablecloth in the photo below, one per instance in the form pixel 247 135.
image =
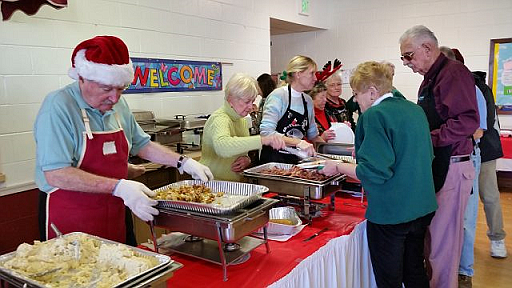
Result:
pixel 342 262
pixel 503 164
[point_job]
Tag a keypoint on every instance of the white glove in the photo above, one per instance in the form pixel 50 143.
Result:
pixel 306 147
pixel 135 196
pixel 197 170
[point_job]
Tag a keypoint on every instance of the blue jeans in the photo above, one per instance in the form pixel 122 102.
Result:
pixel 467 257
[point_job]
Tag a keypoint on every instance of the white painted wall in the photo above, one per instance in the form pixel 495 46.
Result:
pixel 366 30
pixel 35 50
pixel 35 55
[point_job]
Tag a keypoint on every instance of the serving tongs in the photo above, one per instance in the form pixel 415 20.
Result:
pixel 59 234
pixel 295 151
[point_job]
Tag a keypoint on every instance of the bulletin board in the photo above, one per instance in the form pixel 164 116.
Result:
pixel 500 73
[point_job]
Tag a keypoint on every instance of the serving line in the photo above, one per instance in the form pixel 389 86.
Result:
pixel 338 256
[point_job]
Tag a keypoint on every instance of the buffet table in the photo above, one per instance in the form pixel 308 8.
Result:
pixel 338 257
pixel 505 163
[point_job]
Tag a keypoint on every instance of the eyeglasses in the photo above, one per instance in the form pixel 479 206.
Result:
pixel 108 88
pixel 409 55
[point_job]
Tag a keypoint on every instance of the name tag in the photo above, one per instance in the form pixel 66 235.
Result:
pixel 109 148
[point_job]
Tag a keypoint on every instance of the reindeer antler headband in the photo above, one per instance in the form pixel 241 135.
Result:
pixel 327 70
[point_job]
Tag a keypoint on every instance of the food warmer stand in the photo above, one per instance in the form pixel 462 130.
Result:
pixel 220 237
pixel 293 188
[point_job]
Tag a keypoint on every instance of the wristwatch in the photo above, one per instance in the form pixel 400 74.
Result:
pixel 181 163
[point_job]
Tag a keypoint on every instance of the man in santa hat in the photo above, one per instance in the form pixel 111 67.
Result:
pixel 84 134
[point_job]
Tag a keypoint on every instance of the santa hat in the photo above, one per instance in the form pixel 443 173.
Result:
pixel 103 59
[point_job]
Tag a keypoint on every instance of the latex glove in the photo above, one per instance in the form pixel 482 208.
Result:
pixel 276 141
pixel 306 147
pixel 135 196
pixel 197 170
pixel 240 164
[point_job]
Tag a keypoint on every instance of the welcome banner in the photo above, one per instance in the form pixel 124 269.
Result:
pixel 164 75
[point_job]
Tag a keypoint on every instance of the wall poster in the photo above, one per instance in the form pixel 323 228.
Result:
pixel 164 75
pixel 500 73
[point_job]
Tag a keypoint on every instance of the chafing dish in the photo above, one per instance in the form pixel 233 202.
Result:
pixel 217 229
pixel 335 148
pixel 295 188
pixel 237 195
pixel 164 266
pixel 163 133
pixel 186 122
pixel 291 185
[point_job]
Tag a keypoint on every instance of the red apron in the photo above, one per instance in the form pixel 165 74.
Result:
pixel 105 154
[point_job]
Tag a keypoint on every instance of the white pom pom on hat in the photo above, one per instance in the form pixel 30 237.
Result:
pixel 103 59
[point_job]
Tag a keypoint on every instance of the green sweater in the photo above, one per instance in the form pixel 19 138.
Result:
pixel 225 138
pixel 394 161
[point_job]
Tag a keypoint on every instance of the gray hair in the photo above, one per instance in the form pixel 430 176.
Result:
pixel 419 33
pixel 448 52
pixel 241 85
pixel 331 78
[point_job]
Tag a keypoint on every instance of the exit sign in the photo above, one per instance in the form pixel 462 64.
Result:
pixel 304 7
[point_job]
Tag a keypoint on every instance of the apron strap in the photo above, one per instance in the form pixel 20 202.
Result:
pixel 118 120
pixel 87 125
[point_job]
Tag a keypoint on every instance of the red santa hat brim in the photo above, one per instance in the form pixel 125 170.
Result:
pixel 103 59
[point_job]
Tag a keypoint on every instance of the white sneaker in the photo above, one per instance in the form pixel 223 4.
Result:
pixel 498 249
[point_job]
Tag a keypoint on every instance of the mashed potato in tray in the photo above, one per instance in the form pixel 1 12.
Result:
pixel 99 264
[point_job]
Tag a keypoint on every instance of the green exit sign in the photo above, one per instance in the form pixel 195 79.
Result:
pixel 304 7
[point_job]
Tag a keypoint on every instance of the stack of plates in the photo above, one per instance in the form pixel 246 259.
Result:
pixel 344 133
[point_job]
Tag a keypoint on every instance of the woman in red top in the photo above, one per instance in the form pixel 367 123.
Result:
pixel 323 121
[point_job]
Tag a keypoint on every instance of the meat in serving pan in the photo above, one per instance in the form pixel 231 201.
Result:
pixel 295 172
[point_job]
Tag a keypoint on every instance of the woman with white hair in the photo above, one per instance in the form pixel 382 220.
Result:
pixel 226 139
pixel 336 107
pixel 288 111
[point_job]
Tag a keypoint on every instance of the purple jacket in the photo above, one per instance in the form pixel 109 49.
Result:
pixel 454 94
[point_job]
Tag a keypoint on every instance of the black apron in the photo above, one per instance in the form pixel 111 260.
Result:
pixel 293 125
pixel 442 155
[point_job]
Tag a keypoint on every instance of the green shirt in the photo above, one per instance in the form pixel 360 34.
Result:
pixel 394 156
pixel 225 138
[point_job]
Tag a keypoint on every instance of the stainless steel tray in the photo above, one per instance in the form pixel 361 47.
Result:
pixel 187 122
pixel 25 281
pixel 256 171
pixel 249 193
pixel 344 158
pixel 293 186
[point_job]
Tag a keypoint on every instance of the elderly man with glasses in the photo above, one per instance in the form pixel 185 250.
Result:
pixel 84 135
pixel 447 96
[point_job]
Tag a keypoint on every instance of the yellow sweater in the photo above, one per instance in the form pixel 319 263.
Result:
pixel 225 138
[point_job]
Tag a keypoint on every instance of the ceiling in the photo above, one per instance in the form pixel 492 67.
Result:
pixel 278 27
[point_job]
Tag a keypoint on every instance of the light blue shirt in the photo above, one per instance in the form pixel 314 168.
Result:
pixel 482 108
pixel 275 108
pixel 59 128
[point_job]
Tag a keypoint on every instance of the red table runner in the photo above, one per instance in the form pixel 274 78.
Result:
pixel 264 269
pixel 506 144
